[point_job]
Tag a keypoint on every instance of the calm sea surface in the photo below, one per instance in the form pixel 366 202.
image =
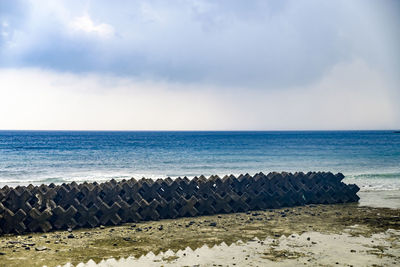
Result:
pixel 369 158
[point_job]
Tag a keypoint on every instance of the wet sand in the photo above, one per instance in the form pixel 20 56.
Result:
pixel 384 198
pixel 321 223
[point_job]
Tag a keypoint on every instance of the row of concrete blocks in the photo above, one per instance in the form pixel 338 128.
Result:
pixel 147 187
pixel 44 208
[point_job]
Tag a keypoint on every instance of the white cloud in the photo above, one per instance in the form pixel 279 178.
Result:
pixel 85 24
pixel 4 29
pixel 351 96
pixel 149 14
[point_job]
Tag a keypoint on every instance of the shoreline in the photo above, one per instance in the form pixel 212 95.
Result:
pixel 97 244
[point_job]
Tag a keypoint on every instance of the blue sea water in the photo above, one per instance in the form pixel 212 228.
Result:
pixel 370 159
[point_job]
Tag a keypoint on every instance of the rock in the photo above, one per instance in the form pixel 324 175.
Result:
pixel 27 248
pixel 69 230
pixel 138 229
pixel 308 239
pixel 133 225
pixel 29 244
pixel 101 227
pixel 161 228
pixel 2 253
pixel 352 251
pixel 40 248
pixel 213 224
pixel 70 236
pixel 127 238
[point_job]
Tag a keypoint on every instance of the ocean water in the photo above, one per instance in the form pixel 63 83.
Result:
pixel 370 159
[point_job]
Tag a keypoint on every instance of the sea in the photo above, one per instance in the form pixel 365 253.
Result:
pixel 370 159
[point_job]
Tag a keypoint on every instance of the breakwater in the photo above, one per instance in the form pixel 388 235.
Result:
pixel 53 207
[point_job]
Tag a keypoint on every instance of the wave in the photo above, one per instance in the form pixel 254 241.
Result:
pixel 375 181
pixel 68 178
pixel 366 181
pixel 394 175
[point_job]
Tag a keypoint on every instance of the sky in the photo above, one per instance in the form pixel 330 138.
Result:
pixel 199 65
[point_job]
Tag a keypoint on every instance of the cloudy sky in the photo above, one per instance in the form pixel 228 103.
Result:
pixel 199 64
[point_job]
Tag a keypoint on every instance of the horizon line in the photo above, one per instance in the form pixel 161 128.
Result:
pixel 233 130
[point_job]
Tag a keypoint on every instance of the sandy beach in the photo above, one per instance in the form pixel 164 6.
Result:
pixel 327 235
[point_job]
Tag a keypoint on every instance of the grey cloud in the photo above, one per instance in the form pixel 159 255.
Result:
pixel 12 16
pixel 254 44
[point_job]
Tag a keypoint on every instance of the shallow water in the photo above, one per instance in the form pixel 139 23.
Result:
pixel 380 199
pixel 294 250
